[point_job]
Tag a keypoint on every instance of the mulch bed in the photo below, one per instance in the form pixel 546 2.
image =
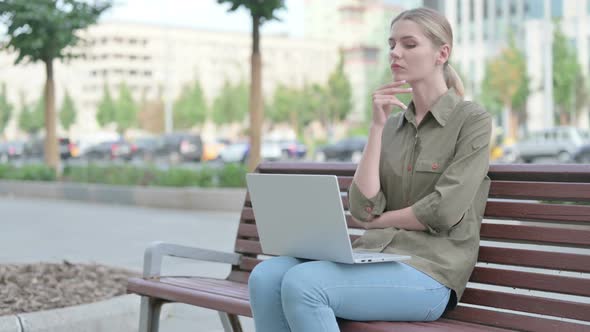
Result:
pixel 43 286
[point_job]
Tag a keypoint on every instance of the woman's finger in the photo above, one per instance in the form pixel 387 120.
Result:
pixel 389 100
pixel 392 84
pixel 390 91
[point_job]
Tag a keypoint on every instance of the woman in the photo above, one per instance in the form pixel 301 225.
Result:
pixel 420 189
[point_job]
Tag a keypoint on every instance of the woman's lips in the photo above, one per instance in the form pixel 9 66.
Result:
pixel 396 67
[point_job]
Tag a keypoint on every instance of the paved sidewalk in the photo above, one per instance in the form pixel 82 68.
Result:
pixel 36 230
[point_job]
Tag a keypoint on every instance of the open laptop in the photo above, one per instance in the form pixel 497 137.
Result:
pixel 302 216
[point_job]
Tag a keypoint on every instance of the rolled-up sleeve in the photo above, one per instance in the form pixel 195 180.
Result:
pixel 364 208
pixel 457 186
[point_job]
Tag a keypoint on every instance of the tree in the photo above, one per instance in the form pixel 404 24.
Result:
pixel 126 110
pixel 566 78
pixel 106 108
pixel 261 12
pixel 44 31
pixel 293 106
pixel 231 103
pixel 67 112
pixel 31 119
pixel 505 86
pixel 190 108
pixel 5 109
pixel 339 94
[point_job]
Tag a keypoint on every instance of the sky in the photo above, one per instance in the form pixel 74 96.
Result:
pixel 204 14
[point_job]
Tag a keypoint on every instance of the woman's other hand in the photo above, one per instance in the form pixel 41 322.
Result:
pixel 384 100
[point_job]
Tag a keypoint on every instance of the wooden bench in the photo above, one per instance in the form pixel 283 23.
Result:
pixel 533 271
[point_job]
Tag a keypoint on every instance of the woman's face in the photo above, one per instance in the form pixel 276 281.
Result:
pixel 412 56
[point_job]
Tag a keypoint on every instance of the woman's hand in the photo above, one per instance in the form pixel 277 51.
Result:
pixel 384 99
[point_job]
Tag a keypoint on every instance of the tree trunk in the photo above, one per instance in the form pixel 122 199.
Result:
pixel 51 152
pixel 514 124
pixel 256 107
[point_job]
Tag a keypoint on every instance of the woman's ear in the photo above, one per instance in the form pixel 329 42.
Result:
pixel 444 53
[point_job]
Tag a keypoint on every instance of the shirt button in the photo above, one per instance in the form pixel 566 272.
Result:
pixel 408 203
pixel 369 209
pixel 409 168
pixel 435 166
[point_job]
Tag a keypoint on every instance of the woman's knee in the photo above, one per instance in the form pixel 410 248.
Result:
pixel 269 273
pixel 301 283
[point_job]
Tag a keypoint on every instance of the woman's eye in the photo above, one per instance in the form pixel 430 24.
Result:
pixel 391 47
pixel 410 46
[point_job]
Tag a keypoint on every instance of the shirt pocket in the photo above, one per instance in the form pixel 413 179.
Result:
pixel 426 174
pixel 432 166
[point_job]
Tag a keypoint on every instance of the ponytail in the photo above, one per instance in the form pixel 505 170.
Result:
pixel 453 80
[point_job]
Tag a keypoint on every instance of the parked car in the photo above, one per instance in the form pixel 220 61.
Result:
pixel 12 150
pixel 144 148
pixel 179 147
pixel 292 149
pixel 212 149
pixel 110 150
pixel 239 152
pixel 559 143
pixel 348 149
pixel 35 148
pixel 583 154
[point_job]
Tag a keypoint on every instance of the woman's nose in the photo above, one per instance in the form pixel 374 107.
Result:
pixel 395 53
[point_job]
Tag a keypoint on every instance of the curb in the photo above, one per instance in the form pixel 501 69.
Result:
pixel 118 314
pixel 214 199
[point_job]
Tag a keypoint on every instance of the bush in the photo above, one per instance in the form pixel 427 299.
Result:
pixel 27 173
pixel 233 175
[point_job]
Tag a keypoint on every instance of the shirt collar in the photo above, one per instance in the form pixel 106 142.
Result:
pixel 441 110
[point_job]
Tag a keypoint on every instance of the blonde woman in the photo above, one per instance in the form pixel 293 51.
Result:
pixel 420 189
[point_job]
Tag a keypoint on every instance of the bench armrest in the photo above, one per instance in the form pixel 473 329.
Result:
pixel 152 260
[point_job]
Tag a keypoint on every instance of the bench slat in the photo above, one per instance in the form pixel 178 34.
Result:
pixel 530 280
pixel 201 297
pixel 513 321
pixel 344 169
pixel 533 258
pixel 248 247
pixel 542 234
pixel 526 303
pixel 436 326
pixel 540 190
pixel 538 211
pixel 540 172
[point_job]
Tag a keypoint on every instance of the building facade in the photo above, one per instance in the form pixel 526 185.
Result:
pixel 159 61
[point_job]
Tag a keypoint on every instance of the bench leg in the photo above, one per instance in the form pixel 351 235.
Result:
pixel 149 314
pixel 231 323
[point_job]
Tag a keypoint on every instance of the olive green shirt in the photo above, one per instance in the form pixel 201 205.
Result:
pixel 439 168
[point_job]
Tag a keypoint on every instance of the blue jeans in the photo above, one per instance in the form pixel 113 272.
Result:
pixel 290 294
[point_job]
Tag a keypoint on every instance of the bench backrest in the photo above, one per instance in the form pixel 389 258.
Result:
pixel 533 270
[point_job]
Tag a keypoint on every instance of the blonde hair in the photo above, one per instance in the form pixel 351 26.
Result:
pixel 438 29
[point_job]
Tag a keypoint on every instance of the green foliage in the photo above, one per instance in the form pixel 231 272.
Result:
pixel 228 176
pixel 190 107
pixel 233 175
pixel 506 82
pixel 263 9
pixel 566 74
pixel 293 106
pixel 106 108
pixel 27 173
pixel 126 109
pixel 44 30
pixel 31 119
pixel 67 112
pixel 339 94
pixel 5 108
pixel 231 105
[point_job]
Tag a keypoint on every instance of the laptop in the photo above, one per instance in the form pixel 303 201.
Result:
pixel 302 216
